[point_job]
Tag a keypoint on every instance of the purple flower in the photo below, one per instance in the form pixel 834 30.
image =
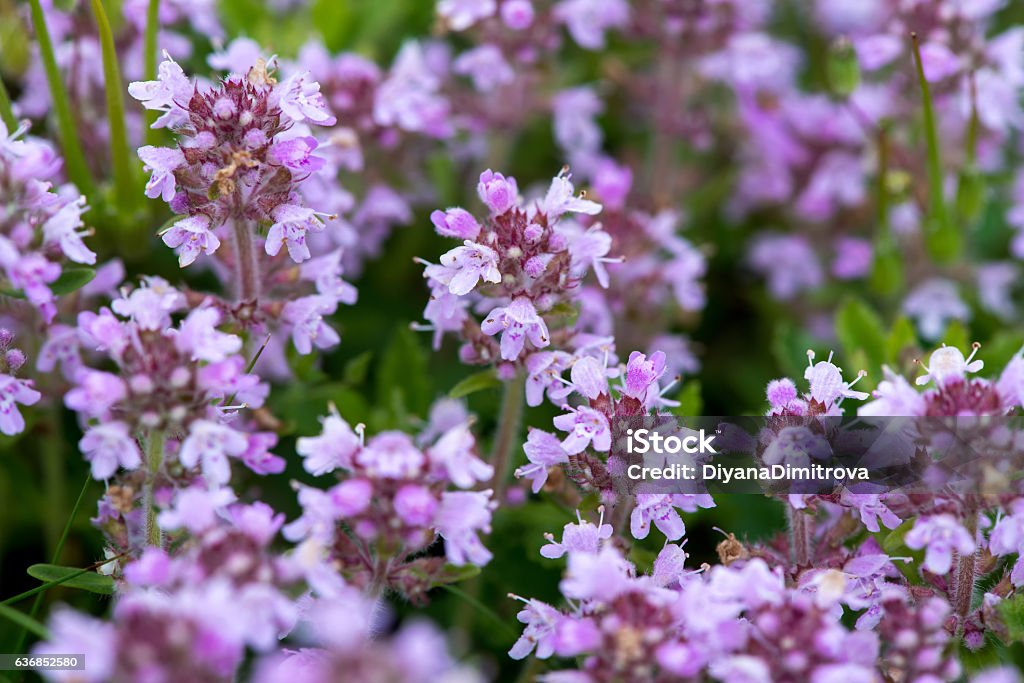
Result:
pixel 408 98
pixel 660 509
pixel 161 162
pixel 497 192
pixel 486 67
pixel 415 505
pixel 941 535
pixel 561 199
pixel 544 374
pixel 392 455
pixel 589 377
pixel 471 263
pixel 596 576
pixel 461 14
pixel 351 497
pixel 191 236
pixel 455 452
pixel 586 427
pixel 517 14
pixel 198 335
pixel 12 392
pixel 894 397
pixel 587 20
pixel 196 508
pixel 932 304
pixel 517 322
pixel 291 223
pixel 582 537
pixel 169 93
pixel 544 451
pixel 642 372
pixel 826 382
pixel 788 262
pixel 62 229
pixel 589 251
pixel 541 620
pixel 107 446
pixel 301 100
pixel 947 365
pixel 871 509
pixel 461 515
pixel 305 315
pixel 95 393
pixel 210 443
pixel 295 154
pixel 334 448
pixel 455 222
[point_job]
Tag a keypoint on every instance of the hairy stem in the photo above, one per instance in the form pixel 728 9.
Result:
pixel 801 531
pixel 247 262
pixel 507 438
pixel 964 574
pixel 154 460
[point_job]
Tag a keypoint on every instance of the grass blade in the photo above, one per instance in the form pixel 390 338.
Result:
pixel 6 112
pixel 119 154
pixel 23 620
pixel 149 63
pixel 74 158
pixel 941 238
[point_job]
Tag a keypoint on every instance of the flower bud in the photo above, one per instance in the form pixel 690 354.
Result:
pixel 842 68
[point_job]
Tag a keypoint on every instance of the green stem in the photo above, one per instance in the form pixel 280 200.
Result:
pixel 507 438
pixel 38 602
pixel 74 158
pixel 119 154
pixel 479 607
pixel 942 238
pixel 6 111
pixel 154 459
pixel 149 62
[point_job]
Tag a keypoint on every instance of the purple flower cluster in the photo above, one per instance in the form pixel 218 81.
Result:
pixel 41 224
pixel 395 497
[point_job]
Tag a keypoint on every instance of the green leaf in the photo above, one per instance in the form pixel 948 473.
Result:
pixel 333 19
pixel 860 330
pixel 1012 612
pixel 478 381
pixel 87 581
pixel 72 279
pixel 74 158
pixel 6 113
pixel 357 369
pixel 691 403
pixel 887 267
pixel 956 335
pixel 901 337
pixel 893 543
pixel 403 378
